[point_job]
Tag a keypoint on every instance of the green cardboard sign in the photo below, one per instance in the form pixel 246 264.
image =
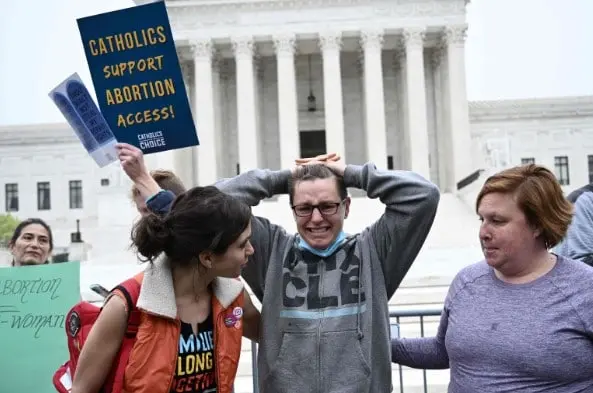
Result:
pixel 34 301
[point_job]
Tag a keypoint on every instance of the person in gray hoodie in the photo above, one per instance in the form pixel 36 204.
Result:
pixel 578 242
pixel 325 293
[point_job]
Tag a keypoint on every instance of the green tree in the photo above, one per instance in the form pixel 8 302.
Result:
pixel 8 224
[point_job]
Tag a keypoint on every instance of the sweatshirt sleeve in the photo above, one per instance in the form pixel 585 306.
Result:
pixel 430 352
pixel 160 203
pixel 257 184
pixel 411 204
pixel 251 187
pixel 578 242
pixel 423 353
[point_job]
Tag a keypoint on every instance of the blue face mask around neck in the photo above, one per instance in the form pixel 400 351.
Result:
pixel 325 252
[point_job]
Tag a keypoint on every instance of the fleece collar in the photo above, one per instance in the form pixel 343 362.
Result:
pixel 157 295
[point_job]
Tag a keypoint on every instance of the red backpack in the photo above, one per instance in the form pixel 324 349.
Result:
pixel 79 321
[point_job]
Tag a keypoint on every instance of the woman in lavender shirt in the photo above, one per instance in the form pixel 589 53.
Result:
pixel 522 319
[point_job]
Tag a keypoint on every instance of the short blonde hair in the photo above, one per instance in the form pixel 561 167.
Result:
pixel 167 180
pixel 539 196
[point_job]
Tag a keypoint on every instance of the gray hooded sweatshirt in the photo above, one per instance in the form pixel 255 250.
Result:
pixel 578 242
pixel 325 320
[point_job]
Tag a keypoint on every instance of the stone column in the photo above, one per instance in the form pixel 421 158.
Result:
pixel 228 141
pixel 413 40
pixel 399 61
pixel 460 137
pixel 441 131
pixel 166 160
pixel 287 101
pixel 217 76
pixel 258 89
pixel 185 164
pixel 371 43
pixel 330 44
pixel 246 116
pixel 204 112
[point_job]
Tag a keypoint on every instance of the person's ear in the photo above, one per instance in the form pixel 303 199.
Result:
pixel 11 249
pixel 346 207
pixel 206 259
pixel 537 231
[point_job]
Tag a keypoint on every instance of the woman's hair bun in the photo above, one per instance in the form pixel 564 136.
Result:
pixel 151 236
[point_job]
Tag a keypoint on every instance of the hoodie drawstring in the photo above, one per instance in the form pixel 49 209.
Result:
pixel 359 305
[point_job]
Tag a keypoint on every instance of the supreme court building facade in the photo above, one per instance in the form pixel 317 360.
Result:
pixel 380 81
pixel 273 80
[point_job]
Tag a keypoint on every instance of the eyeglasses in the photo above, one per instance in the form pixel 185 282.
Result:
pixel 325 208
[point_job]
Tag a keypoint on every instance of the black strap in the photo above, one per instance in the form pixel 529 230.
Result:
pixel 123 290
pixel 133 313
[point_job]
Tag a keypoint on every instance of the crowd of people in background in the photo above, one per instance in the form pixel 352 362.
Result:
pixel 520 320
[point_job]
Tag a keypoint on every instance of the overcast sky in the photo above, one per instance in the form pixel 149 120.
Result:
pixel 515 49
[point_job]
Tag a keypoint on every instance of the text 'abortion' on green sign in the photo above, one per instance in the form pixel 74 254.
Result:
pixel 34 301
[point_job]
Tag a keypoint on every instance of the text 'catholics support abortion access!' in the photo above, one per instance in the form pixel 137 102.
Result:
pixel 137 77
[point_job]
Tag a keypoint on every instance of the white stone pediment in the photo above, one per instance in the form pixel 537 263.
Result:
pixel 222 19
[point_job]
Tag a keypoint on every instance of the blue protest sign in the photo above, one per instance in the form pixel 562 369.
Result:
pixel 137 77
pixel 76 104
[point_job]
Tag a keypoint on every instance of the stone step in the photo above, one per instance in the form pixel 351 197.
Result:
pixel 419 296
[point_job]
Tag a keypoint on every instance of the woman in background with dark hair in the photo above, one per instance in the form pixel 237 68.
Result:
pixel 194 309
pixel 31 243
